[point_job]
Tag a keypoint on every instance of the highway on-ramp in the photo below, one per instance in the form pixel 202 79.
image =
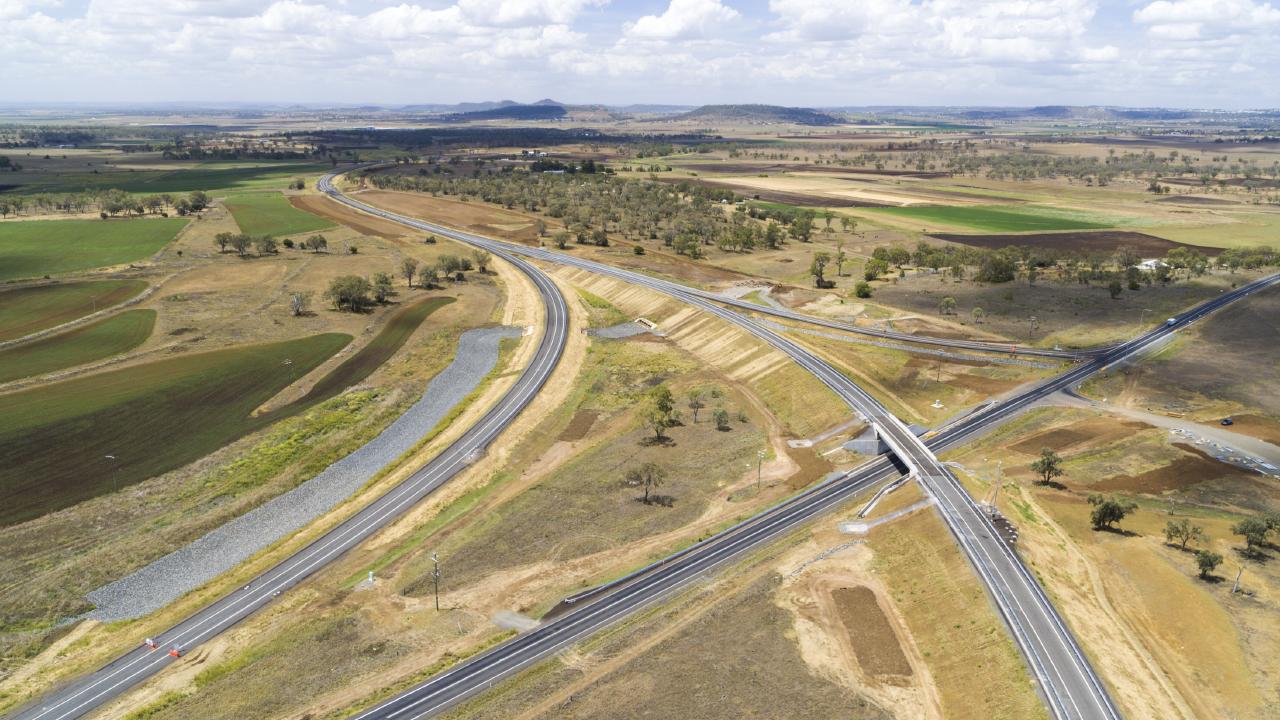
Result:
pixel 98 688
pixel 1067 680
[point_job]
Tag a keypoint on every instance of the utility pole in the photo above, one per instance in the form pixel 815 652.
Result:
pixel 435 577
pixel 995 497
pixel 114 478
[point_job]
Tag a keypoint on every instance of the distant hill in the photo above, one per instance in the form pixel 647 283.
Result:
pixel 759 114
pixel 1077 112
pixel 511 112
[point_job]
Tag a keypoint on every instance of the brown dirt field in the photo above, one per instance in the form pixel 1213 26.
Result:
pixel 474 216
pixel 736 661
pixel 1194 200
pixel 579 426
pixel 872 637
pixel 681 268
pixel 358 221
pixel 1222 366
pixel 752 168
pixel 1085 241
pixel 1099 431
pixel 1258 426
pixel 779 196
pixel 1184 472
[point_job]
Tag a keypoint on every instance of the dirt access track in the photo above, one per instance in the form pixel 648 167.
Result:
pixel 1086 241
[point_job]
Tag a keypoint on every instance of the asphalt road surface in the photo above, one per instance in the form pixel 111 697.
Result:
pixel 92 691
pixel 1068 683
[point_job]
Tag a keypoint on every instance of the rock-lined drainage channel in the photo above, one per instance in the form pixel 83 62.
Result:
pixel 168 578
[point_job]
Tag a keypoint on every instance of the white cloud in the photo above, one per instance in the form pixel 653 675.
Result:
pixel 1232 13
pixel 811 52
pixel 683 19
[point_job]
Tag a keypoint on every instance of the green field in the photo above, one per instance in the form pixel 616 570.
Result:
pixel 54 440
pixel 210 177
pixel 162 415
pixel 103 339
pixel 269 213
pixel 998 218
pixel 34 248
pixel 27 310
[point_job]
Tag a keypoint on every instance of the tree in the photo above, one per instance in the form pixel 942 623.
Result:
pixel 349 292
pixel 1207 561
pixel 721 417
pixel 265 245
pixel 1108 511
pixel 899 256
pixel 659 412
pixel 1114 287
pixel 240 243
pixel 409 268
pixel 862 289
pixel 996 267
pixel 222 240
pixel 541 226
pixel 562 239
pixel 978 315
pixel 840 259
pixel 818 267
pixel 947 306
pixel 1182 532
pixel 198 200
pixel 1254 531
pixel 648 476
pixel 875 268
pixel 482 259
pixel 300 303
pixel 802 226
pixel 695 402
pixel 1049 466
pixel 315 243
pixel 382 287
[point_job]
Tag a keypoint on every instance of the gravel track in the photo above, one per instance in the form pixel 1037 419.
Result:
pixel 163 581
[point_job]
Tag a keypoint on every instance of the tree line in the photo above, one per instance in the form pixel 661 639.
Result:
pixel 109 203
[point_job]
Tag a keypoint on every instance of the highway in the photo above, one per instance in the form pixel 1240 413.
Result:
pixel 94 690
pixel 991 347
pixel 1069 684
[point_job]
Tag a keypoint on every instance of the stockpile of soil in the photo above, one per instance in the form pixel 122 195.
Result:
pixel 870 633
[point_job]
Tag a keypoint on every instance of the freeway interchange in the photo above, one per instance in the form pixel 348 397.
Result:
pixel 1066 680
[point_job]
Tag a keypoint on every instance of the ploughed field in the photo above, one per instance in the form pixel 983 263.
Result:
pixel 96 341
pixel 151 418
pixel 31 309
pixel 1088 241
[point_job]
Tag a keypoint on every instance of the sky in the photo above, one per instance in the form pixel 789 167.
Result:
pixel 817 53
